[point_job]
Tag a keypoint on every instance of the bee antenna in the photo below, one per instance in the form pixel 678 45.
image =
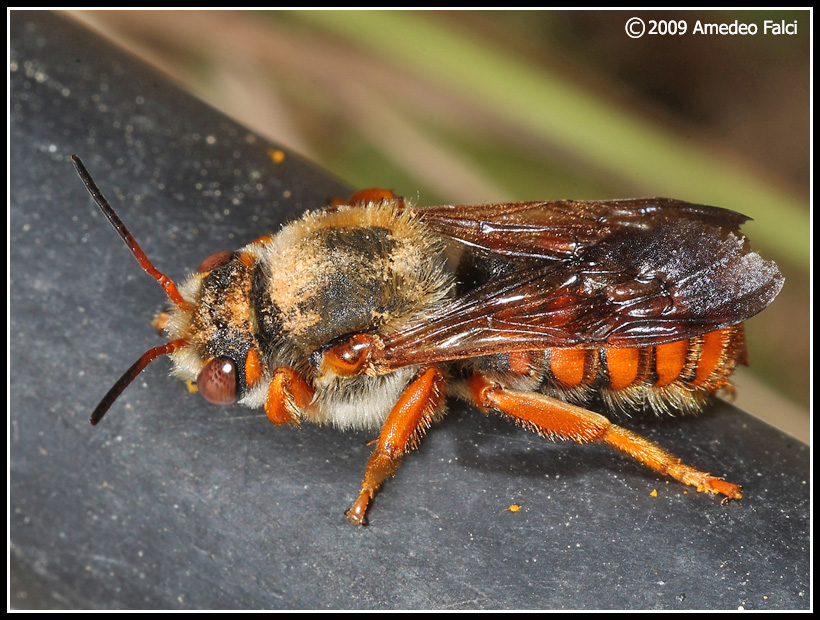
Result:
pixel 125 235
pixel 132 373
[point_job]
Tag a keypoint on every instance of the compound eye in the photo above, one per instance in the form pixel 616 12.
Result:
pixel 217 381
pixel 214 260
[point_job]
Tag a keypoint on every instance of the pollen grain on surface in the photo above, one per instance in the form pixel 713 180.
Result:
pixel 276 156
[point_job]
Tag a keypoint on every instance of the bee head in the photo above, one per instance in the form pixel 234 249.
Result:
pixel 218 325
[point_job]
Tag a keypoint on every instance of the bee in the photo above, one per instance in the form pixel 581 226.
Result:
pixel 369 313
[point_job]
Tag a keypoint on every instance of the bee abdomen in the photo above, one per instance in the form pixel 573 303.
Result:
pixel 678 375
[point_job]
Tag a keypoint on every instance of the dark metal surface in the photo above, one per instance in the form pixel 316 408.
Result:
pixel 174 503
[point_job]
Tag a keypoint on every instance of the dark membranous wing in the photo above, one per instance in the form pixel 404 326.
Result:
pixel 619 273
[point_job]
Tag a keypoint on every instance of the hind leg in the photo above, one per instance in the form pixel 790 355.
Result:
pixel 560 420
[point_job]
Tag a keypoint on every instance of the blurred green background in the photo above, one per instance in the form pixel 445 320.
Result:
pixel 487 106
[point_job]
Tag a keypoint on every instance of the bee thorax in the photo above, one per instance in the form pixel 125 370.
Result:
pixel 362 270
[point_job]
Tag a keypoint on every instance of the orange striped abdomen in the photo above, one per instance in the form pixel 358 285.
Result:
pixel 678 375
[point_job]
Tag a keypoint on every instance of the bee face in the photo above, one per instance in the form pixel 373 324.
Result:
pixel 352 316
pixel 217 323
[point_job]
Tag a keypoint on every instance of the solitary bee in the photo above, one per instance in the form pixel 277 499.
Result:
pixel 368 314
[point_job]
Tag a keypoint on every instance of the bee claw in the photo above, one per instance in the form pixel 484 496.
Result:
pixel 357 514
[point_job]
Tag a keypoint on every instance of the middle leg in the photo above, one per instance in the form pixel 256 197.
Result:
pixel 405 425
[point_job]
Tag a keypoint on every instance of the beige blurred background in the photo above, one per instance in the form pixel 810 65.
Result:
pixel 481 106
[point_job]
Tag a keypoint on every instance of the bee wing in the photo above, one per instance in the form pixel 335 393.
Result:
pixel 589 274
pixel 559 230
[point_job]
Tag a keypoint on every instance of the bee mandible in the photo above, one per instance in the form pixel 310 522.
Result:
pixel 369 313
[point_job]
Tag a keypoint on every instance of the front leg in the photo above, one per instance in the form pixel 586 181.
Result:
pixel 405 425
pixel 288 393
